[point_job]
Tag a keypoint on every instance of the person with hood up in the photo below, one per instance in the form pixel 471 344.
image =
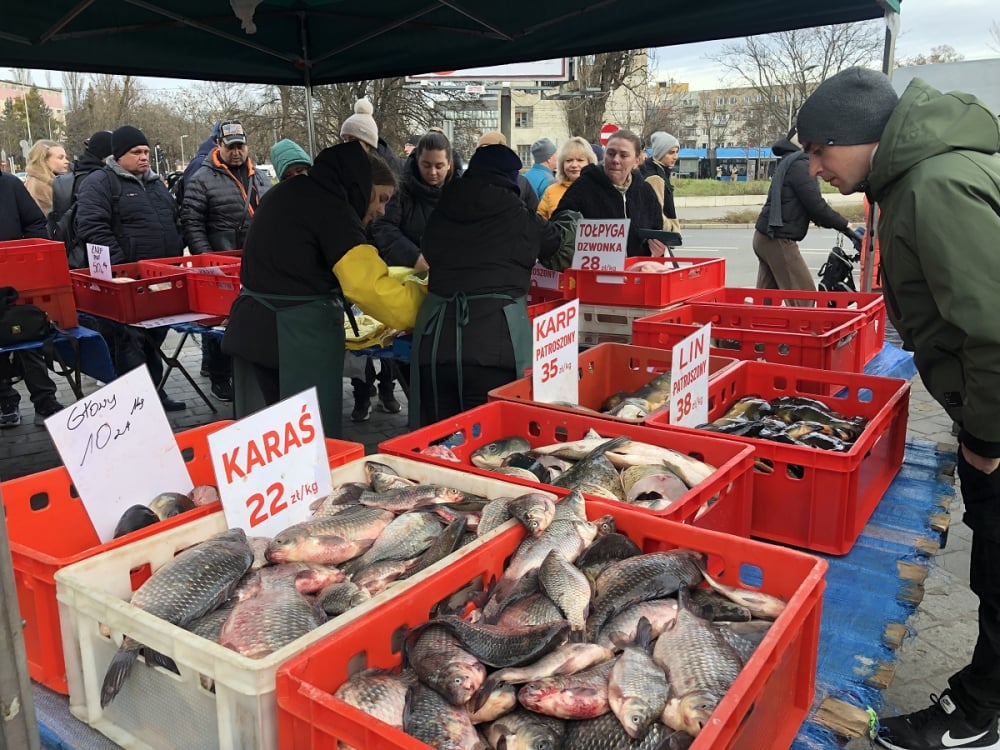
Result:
pixel 656 172
pixel 930 160
pixel 307 252
pixel 473 334
pixel 614 190
pixel 793 201
pixel 524 188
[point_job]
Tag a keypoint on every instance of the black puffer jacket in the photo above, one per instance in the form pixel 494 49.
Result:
pixel 482 239
pixel 593 195
pixel 147 215
pixel 651 167
pixel 20 216
pixel 398 234
pixel 801 199
pixel 66 186
pixel 214 201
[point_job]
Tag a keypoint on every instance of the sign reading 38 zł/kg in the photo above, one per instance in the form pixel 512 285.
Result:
pixel 555 336
pixel 689 379
pixel 271 465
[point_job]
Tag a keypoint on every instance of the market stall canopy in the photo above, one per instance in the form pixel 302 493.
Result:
pixel 328 41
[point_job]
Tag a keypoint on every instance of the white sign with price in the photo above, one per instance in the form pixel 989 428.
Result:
pixel 99 260
pixel 555 335
pixel 544 278
pixel 689 379
pixel 271 465
pixel 118 448
pixel 601 244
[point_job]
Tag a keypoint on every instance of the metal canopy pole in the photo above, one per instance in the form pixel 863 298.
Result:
pixel 17 707
pixel 307 82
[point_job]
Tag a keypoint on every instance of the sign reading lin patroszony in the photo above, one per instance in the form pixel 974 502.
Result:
pixel 271 465
pixel 555 374
pixel 118 448
pixel 689 379
pixel 601 244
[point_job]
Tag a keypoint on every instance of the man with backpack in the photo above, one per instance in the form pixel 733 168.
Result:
pixel 126 207
pixel 97 148
pixel 219 204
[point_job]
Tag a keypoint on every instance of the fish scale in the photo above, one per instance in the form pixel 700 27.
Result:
pixel 439 661
pixel 431 719
pixel 567 587
pixel 379 693
pixel 405 537
pixel 606 733
pixel 583 695
pixel 637 686
pixel 505 646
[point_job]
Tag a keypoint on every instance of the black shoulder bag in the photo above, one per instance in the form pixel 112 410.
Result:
pixel 21 323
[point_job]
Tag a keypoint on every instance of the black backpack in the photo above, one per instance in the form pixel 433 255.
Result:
pixel 65 226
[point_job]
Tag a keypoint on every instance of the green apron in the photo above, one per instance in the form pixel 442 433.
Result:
pixel 310 353
pixel 430 321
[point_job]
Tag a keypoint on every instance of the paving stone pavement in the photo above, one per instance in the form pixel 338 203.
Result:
pixel 942 631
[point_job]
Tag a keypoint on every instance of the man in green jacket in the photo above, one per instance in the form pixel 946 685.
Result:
pixel 930 162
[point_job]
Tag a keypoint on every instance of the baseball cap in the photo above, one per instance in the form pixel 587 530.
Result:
pixel 231 132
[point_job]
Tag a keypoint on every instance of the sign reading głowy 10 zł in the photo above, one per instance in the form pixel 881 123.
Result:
pixel 555 374
pixel 689 379
pixel 272 465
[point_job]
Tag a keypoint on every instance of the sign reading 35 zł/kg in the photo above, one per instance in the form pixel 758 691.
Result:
pixel 689 379
pixel 555 373
pixel 271 465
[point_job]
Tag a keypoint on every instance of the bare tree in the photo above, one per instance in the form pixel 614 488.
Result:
pixel 941 54
pixel 785 67
pixel 597 77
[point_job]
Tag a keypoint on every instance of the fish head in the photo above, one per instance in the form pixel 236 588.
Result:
pixel 605 525
pixel 492 455
pixel 284 545
pixel 462 680
pixel 636 716
pixel 695 709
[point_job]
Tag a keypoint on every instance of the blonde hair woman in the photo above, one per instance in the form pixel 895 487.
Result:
pixel 46 159
pixel 574 155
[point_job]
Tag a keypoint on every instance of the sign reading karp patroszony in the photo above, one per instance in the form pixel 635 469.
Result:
pixel 555 374
pixel 119 449
pixel 271 465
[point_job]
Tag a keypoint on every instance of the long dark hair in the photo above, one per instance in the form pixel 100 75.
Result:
pixel 434 141
pixel 382 173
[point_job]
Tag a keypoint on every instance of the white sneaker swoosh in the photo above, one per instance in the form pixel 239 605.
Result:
pixel 948 741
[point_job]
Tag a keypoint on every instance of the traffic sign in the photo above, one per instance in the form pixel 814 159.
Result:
pixel 606 132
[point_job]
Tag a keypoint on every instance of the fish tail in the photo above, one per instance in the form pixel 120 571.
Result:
pixel 156 659
pixel 118 670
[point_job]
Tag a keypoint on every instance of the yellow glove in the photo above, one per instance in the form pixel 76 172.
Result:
pixel 366 282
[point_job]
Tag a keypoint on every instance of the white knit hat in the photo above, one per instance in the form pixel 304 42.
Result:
pixel 361 124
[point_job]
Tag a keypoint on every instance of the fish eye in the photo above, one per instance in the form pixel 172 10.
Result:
pixel 457 680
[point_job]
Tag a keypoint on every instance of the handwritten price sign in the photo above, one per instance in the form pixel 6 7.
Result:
pixel 118 448
pixel 272 465
pixel 601 244
pixel 689 379
pixel 555 374
pixel 99 260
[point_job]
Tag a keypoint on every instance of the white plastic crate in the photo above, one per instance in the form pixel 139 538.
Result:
pixel 607 323
pixel 157 709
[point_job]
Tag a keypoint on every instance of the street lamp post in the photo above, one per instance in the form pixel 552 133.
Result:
pixel 182 148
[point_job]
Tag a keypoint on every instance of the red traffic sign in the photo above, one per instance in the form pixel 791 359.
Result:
pixel 606 132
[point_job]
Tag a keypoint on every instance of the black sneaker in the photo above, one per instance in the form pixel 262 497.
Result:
pixel 941 726
pixel 223 390
pixel 362 409
pixel 10 415
pixel 45 410
pixel 387 400
pixel 169 404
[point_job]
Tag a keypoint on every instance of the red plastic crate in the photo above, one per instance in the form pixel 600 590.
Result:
pixel 813 498
pixel 770 698
pixel 806 337
pixel 871 304
pixel 499 419
pixel 33 264
pixel 49 529
pixel 214 294
pixel 193 262
pixel 149 295
pixel 604 370
pixel 627 288
pixel 57 301
pixel 540 308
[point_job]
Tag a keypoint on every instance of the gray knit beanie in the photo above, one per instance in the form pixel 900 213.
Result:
pixel 661 143
pixel 849 108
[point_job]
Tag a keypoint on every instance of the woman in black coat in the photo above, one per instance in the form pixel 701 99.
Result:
pixel 472 333
pixel 614 191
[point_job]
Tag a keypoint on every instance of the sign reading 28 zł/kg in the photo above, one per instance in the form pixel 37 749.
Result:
pixel 601 244
pixel 689 379
pixel 555 373
pixel 271 465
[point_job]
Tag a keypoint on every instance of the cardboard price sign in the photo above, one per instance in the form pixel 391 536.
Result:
pixel 118 448
pixel 99 261
pixel 689 379
pixel 555 375
pixel 544 278
pixel 601 244
pixel 272 465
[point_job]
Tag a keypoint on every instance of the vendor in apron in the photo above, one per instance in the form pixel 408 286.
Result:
pixel 305 256
pixel 473 333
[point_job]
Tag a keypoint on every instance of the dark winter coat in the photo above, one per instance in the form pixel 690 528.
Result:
pixel 147 226
pixel 20 216
pixel 801 200
pixel 215 202
pixel 482 239
pixel 399 233
pixel 593 195
pixel 651 167
pixel 66 186
pixel 207 147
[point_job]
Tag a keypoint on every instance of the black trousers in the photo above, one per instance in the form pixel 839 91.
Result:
pixel 131 346
pixel 477 382
pixel 30 365
pixel 976 687
pixel 218 365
